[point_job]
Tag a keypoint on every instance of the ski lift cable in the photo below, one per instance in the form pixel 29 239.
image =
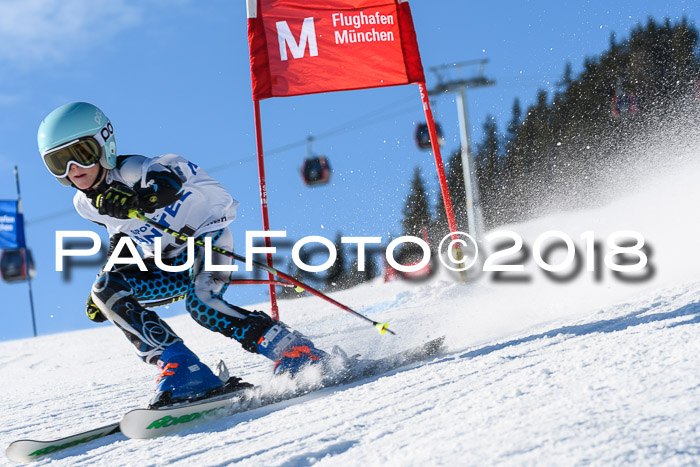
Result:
pixel 359 122
pixel 48 217
pixel 364 120
pixel 386 111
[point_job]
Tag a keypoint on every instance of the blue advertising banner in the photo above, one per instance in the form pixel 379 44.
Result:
pixel 11 233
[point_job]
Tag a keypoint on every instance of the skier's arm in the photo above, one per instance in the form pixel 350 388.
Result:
pixel 161 188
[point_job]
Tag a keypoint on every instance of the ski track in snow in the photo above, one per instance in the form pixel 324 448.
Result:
pixel 619 387
pixel 582 373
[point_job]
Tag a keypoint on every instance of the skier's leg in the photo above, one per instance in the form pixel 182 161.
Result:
pixel 113 293
pixel 254 330
pixel 116 293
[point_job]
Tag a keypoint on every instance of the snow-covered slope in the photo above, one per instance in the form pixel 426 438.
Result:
pixel 584 371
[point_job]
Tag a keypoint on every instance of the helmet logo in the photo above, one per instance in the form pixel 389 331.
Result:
pixel 107 131
pixel 98 116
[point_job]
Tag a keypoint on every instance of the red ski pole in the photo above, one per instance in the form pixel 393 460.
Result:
pixel 381 327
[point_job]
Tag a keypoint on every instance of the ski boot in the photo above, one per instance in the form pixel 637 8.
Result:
pixel 290 350
pixel 186 379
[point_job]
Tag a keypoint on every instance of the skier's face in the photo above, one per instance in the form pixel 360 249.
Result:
pixel 82 177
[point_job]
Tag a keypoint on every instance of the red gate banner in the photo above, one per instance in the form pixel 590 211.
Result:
pixel 309 46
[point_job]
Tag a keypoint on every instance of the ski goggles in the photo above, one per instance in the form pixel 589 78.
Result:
pixel 83 152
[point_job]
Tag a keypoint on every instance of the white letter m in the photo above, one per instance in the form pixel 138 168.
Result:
pixel 285 38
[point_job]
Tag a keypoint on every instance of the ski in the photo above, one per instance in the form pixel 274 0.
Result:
pixel 150 423
pixel 28 450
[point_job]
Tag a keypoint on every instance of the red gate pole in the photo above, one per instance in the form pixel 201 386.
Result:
pixel 263 204
pixel 440 170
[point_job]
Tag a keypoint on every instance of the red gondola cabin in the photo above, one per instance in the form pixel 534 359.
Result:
pixel 13 265
pixel 316 171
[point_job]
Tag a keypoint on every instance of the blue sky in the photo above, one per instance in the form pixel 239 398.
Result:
pixel 173 76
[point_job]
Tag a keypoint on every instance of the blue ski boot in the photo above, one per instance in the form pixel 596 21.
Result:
pixel 184 378
pixel 290 350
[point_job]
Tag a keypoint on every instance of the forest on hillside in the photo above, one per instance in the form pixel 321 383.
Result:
pixel 584 131
pixel 560 151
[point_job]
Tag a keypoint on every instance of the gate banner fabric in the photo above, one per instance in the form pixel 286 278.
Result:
pixel 11 233
pixel 309 46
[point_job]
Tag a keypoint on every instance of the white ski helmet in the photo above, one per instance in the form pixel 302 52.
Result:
pixel 76 133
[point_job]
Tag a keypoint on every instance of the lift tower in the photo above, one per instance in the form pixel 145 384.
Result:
pixel 450 78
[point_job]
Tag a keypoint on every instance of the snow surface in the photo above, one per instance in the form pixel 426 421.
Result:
pixel 587 371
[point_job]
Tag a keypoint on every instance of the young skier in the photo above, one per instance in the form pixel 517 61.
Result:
pixel 77 144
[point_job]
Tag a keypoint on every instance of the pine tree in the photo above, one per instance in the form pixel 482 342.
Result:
pixel 515 121
pixel 354 276
pixel 488 175
pixel 416 211
pixel 308 277
pixel 489 150
pixel 576 138
pixel 567 79
pixel 371 269
pixel 458 197
pixel 567 142
pixel 336 275
pixel 511 156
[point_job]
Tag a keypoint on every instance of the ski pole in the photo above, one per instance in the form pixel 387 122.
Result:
pixel 381 327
